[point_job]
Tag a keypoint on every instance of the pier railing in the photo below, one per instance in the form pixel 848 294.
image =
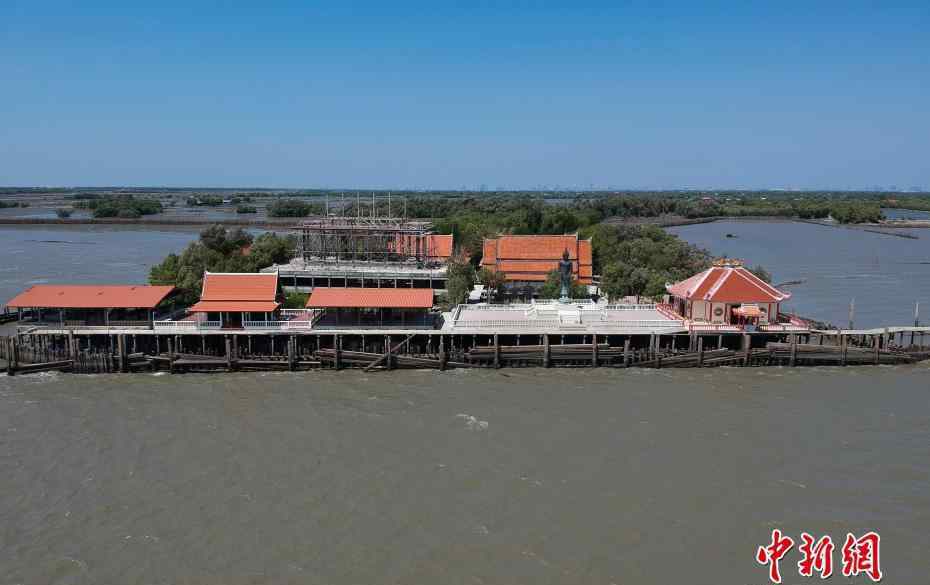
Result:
pixel 557 324
pixel 278 325
pixel 182 326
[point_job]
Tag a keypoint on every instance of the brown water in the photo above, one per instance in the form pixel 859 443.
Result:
pixel 514 476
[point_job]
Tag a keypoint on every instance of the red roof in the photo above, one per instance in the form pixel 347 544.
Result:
pixel 531 258
pixel 234 307
pixel 239 287
pixel 440 246
pixel 90 296
pixel 433 246
pixel 727 284
pixel 371 298
pixel 238 292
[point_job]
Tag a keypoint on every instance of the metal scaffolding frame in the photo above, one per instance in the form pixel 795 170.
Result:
pixel 346 238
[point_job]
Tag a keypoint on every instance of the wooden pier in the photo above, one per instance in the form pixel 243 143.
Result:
pixel 37 350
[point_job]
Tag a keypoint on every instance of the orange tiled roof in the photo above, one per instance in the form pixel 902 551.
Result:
pixel 522 256
pixel 515 266
pixel 489 252
pixel 239 287
pixel 537 247
pixel 90 296
pixel 234 307
pixel 436 246
pixel 727 284
pixel 440 246
pixel 371 298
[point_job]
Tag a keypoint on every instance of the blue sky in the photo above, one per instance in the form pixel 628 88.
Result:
pixel 449 95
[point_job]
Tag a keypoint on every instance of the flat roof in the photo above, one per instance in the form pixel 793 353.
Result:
pixel 570 318
pixel 90 296
pixel 370 298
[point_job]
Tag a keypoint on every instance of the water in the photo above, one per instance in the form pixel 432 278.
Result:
pixel 517 476
pixel 82 254
pixel 886 275
pixel 85 254
pixel 513 476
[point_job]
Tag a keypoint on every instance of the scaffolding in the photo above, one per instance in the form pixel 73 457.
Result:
pixel 369 235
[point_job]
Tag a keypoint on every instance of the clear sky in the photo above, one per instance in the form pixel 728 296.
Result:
pixel 652 94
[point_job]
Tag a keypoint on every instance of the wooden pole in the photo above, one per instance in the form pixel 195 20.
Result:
pixel 747 345
pixel 10 354
pixel 626 352
pixel 443 358
pixel 547 351
pixel 228 345
pixel 700 350
pixel 845 350
pixel 497 351
pixel 291 359
pixel 337 344
pixel 792 361
pixel 121 347
pixel 594 350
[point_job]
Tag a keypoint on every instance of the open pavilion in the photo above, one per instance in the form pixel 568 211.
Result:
pixel 373 307
pixel 91 305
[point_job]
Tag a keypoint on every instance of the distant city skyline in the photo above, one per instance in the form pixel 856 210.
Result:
pixel 407 95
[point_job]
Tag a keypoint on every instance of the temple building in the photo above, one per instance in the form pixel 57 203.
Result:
pixel 373 307
pixel 366 250
pixel 235 299
pixel 727 294
pixel 526 261
pixel 90 305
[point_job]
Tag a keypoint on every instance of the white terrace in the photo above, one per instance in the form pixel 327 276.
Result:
pixel 576 316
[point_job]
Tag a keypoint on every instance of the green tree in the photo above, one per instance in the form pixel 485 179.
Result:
pixel 460 279
pixel 295 300
pixel 219 250
pixel 552 288
pixel 492 280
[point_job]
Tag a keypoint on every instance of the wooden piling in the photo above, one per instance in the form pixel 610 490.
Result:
pixel 443 358
pixel 792 361
pixel 700 351
pixel 547 351
pixel 121 347
pixel 497 351
pixel 626 352
pixel 594 351
pixel 291 350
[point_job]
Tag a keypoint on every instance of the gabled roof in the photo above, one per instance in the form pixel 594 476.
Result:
pixel 440 246
pixel 537 247
pixel 224 286
pixel 238 292
pixel 727 284
pixel 531 258
pixel 90 296
pixel 432 246
pixel 370 298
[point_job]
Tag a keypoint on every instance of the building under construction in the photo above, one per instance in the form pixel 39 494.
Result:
pixel 363 245
pixel 341 239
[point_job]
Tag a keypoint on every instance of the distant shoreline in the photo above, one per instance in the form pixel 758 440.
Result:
pixel 660 221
